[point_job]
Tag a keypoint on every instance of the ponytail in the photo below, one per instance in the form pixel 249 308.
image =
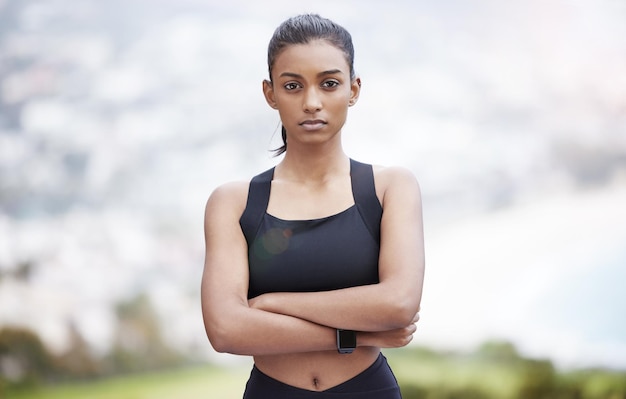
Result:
pixel 283 148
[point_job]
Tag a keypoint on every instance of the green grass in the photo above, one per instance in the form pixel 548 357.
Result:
pixel 421 374
pixel 189 383
pixel 446 375
pixel 228 383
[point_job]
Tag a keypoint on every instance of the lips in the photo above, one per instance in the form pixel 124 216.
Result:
pixel 313 124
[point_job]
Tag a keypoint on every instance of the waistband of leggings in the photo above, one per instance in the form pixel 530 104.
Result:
pixel 380 361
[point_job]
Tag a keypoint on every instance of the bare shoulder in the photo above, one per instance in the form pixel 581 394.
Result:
pixel 228 199
pixel 395 179
pixel 393 175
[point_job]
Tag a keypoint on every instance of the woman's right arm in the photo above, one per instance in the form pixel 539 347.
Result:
pixel 231 325
pixel 234 327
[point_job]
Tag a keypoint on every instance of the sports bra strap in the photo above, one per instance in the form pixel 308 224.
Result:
pixel 256 205
pixel 364 192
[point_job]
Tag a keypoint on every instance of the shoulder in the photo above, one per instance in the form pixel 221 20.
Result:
pixel 395 182
pixel 235 190
pixel 394 177
pixel 228 199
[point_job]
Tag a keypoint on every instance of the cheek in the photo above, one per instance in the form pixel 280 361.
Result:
pixel 287 114
pixel 285 106
pixel 341 102
pixel 346 97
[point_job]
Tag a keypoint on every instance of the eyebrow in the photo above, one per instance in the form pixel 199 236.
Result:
pixel 324 73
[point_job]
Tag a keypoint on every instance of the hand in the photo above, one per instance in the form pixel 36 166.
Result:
pixel 389 339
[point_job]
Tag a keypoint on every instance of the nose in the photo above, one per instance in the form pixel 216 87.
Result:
pixel 312 101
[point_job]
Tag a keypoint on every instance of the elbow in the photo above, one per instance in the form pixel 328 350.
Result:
pixel 223 326
pixel 223 346
pixel 222 337
pixel 225 342
pixel 220 342
pixel 401 316
pixel 402 310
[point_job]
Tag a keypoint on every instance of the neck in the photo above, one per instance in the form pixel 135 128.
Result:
pixel 313 166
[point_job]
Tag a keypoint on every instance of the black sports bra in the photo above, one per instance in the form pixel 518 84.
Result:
pixel 333 252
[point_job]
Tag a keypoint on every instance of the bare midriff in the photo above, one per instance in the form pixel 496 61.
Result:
pixel 316 371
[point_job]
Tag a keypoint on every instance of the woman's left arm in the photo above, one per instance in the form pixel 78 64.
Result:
pixel 395 300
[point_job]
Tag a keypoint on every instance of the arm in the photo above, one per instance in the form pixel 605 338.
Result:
pixel 394 301
pixel 231 325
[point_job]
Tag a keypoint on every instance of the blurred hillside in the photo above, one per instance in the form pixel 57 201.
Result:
pixel 493 370
pixel 118 118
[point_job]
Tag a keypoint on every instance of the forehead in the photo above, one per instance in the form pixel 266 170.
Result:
pixel 313 57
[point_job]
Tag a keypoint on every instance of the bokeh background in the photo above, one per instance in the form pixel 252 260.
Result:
pixel 118 118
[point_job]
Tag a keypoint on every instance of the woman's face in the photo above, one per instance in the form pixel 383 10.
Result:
pixel 312 90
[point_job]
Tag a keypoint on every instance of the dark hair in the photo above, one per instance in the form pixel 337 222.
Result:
pixel 303 29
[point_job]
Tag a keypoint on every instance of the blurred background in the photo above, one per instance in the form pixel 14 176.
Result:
pixel 118 118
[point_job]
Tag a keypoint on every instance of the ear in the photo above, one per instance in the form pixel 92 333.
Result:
pixel 268 92
pixel 355 90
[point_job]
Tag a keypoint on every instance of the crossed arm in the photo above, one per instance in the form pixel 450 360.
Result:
pixel 383 313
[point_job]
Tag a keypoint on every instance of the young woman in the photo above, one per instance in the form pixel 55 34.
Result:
pixel 317 263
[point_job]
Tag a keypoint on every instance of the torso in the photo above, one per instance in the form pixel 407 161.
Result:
pixel 290 204
pixel 316 371
pixel 290 201
pixel 322 254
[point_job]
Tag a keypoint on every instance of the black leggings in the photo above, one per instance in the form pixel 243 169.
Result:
pixel 376 382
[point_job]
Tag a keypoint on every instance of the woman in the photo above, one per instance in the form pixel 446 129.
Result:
pixel 315 264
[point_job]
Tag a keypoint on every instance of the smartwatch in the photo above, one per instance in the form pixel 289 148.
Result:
pixel 346 341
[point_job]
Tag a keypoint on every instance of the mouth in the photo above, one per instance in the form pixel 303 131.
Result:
pixel 313 124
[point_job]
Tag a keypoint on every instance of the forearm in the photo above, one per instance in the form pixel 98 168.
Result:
pixel 377 307
pixel 246 331
pixel 256 332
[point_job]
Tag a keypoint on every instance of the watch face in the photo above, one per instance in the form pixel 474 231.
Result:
pixel 347 339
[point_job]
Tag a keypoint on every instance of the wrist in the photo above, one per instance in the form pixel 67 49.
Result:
pixel 346 341
pixel 364 338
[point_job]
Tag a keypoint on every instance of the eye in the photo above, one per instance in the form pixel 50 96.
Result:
pixel 330 84
pixel 291 86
